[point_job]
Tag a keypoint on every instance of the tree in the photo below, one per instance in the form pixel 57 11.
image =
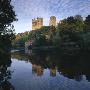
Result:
pixel 40 41
pixel 7 16
pixel 87 23
pixel 78 17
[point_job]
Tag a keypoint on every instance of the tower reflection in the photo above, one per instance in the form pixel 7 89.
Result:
pixel 69 66
pixel 37 69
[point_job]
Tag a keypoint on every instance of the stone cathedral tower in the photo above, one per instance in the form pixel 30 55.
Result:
pixel 37 23
pixel 52 21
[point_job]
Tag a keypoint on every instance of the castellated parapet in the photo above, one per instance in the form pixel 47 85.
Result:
pixel 37 23
pixel 52 21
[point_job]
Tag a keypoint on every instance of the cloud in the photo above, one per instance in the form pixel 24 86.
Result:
pixel 26 10
pixel 45 8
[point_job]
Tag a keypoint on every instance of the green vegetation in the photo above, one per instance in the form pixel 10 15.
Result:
pixel 20 40
pixel 7 16
pixel 72 30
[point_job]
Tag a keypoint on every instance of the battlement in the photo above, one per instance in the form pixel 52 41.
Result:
pixel 37 23
pixel 38 18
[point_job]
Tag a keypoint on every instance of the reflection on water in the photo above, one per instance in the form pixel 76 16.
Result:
pixel 47 71
pixel 5 73
pixel 37 69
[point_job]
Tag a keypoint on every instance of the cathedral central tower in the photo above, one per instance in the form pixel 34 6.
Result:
pixel 52 21
pixel 37 23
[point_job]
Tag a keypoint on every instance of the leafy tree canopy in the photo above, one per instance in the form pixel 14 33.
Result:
pixel 7 15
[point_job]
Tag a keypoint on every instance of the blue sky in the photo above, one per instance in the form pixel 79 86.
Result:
pixel 26 10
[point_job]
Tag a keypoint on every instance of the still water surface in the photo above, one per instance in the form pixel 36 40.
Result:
pixel 48 71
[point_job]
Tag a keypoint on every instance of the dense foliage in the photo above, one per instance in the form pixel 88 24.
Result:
pixel 20 40
pixel 7 16
pixel 72 30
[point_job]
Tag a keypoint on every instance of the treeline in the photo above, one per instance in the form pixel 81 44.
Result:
pixel 7 16
pixel 70 30
pixel 20 40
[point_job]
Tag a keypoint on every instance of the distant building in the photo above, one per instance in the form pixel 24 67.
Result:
pixel 37 23
pixel 52 21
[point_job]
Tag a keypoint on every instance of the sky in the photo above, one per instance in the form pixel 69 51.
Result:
pixel 26 10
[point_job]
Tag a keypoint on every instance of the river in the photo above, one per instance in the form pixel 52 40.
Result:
pixel 45 71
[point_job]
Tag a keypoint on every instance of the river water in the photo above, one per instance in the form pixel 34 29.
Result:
pixel 45 71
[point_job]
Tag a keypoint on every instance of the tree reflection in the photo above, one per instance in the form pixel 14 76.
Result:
pixel 5 73
pixel 73 67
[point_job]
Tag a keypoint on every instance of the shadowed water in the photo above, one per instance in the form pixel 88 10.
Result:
pixel 46 71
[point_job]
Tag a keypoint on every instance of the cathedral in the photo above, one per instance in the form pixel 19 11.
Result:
pixel 38 23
